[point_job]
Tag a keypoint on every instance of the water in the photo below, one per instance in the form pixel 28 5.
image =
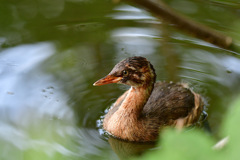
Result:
pixel 51 52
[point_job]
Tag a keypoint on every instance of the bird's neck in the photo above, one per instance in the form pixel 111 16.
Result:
pixel 125 121
pixel 136 99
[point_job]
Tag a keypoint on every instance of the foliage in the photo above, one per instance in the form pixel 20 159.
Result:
pixel 197 145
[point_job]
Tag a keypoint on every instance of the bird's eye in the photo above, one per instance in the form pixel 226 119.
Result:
pixel 125 72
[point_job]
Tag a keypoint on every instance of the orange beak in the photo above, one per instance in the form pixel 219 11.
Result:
pixel 107 80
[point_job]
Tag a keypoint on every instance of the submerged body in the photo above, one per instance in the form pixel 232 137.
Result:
pixel 140 113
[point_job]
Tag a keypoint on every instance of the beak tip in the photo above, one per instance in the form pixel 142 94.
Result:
pixel 95 84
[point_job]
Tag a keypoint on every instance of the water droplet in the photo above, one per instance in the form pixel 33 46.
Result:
pixel 50 87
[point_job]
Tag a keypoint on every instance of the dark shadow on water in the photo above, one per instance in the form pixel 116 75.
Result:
pixel 126 150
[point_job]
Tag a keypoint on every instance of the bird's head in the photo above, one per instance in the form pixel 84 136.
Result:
pixel 133 71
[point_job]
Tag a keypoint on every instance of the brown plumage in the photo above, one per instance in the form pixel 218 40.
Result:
pixel 140 113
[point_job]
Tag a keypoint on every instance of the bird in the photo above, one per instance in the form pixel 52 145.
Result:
pixel 148 106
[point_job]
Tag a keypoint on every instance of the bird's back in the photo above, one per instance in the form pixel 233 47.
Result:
pixel 168 102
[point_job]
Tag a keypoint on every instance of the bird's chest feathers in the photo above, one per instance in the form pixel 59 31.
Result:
pixel 126 120
pixel 123 124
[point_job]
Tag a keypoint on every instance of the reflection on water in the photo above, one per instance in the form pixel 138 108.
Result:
pixel 52 52
pixel 30 101
pixel 35 115
pixel 126 150
pixel 126 12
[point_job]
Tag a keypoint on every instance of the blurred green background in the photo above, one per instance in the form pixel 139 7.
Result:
pixel 51 52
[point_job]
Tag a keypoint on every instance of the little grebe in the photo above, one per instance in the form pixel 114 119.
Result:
pixel 146 107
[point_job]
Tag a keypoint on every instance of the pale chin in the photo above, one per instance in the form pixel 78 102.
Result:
pixel 129 83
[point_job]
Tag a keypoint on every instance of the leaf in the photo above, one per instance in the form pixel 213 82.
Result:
pixel 183 146
pixel 231 128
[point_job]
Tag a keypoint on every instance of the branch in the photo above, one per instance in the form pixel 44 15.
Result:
pixel 187 25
